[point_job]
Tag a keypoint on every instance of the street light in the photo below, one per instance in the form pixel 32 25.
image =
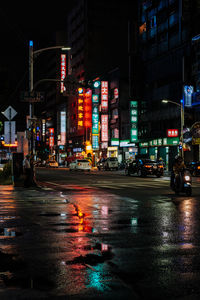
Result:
pixel 182 119
pixel 31 87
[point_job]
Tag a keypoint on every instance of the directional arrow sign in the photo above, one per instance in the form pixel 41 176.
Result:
pixel 9 113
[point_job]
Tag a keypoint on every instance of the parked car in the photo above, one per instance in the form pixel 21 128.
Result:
pixel 111 163
pixel 80 164
pixel 100 164
pixel 144 167
pixel 52 164
pixel 194 167
pixel 3 162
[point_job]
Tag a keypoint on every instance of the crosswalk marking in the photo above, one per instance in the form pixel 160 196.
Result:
pixel 155 184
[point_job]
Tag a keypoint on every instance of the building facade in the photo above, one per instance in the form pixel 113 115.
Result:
pixel 165 31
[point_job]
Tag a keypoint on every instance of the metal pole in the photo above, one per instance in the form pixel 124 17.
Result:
pixel 30 91
pixel 182 125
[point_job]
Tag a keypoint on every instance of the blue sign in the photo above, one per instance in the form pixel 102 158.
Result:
pixel 188 91
pixel 95 142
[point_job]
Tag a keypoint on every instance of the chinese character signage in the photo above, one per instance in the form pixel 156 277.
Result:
pixel 88 109
pixel 95 141
pixel 80 108
pixel 134 121
pixel 51 137
pixel 172 132
pixel 95 121
pixel 62 128
pixel 62 72
pixel 104 96
pixel 104 128
pixel 95 114
pixel 134 134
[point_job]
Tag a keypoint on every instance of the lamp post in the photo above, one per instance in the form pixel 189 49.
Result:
pixel 181 106
pixel 31 86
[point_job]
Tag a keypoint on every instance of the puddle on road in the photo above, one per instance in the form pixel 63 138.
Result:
pixel 93 259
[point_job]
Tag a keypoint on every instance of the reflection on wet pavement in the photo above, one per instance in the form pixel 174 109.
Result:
pixel 84 241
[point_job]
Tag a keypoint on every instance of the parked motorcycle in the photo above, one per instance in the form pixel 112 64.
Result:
pixel 182 184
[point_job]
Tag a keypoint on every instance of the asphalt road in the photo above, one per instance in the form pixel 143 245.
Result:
pixel 99 235
pixel 114 181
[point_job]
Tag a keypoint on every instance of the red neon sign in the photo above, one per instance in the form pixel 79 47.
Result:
pixel 88 108
pixel 172 133
pixel 80 109
pixel 51 137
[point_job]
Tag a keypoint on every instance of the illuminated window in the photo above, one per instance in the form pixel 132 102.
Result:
pixel 143 28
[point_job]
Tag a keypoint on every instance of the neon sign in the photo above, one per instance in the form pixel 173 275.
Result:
pixel 62 72
pixel 134 121
pixel 88 109
pixel 104 96
pixel 104 128
pixel 80 108
pixel 172 132
pixel 51 137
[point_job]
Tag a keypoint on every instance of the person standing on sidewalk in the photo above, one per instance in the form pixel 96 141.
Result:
pixel 32 175
pixel 27 171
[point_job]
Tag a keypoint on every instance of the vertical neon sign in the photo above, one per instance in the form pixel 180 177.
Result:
pixel 104 128
pixel 80 108
pixel 104 110
pixel 134 121
pixel 104 96
pixel 62 72
pixel 95 121
pixel 51 137
pixel 88 109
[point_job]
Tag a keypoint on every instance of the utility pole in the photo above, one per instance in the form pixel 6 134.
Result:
pixel 31 112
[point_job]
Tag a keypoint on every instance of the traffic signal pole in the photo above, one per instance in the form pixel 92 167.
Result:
pixel 31 112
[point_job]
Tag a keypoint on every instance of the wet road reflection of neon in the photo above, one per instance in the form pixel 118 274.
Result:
pixel 91 213
pixel 188 223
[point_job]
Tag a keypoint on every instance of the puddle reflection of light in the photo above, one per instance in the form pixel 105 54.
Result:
pixel 187 223
pixel 95 279
pixel 134 221
pixel 104 210
pixel 104 247
pixel 63 215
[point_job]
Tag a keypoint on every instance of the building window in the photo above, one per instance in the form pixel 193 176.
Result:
pixel 143 28
pixel 173 19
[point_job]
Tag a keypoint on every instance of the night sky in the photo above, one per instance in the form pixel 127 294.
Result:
pixel 20 23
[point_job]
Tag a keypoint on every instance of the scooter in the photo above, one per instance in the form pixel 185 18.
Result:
pixel 183 184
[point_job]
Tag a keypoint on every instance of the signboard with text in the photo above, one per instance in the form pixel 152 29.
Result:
pixel 134 121
pixel 104 128
pixel 172 132
pixel 62 72
pixel 104 96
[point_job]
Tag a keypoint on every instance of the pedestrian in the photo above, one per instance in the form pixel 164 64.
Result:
pixel 32 174
pixel 27 171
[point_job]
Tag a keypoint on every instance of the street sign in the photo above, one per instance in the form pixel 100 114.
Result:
pixel 32 97
pixel 9 113
pixel 9 132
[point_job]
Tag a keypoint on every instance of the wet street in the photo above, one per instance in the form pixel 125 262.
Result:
pixel 99 235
